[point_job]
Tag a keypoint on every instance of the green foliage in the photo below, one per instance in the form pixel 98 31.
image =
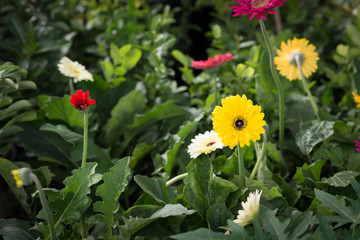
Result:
pixel 114 184
pixel 17 229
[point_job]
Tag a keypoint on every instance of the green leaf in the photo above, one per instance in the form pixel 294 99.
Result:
pixel 47 145
pixel 115 54
pixel 108 70
pixel 197 182
pixel 300 225
pixel 61 109
pixel 63 131
pixel 14 108
pixel 132 225
pixel 156 188
pixel 353 33
pixel 184 60
pixel 324 231
pixel 309 172
pixel 114 184
pixel 5 170
pixel 347 214
pixel 11 229
pixel 312 133
pixel 200 234
pixel 123 113
pixel 340 179
pixel 176 142
pixel 217 215
pixel 132 58
pixel 272 223
pixel 74 196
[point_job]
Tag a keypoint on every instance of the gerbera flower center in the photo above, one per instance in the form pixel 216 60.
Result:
pixel 259 3
pixel 239 123
pixel 292 58
pixel 81 106
pixel 210 144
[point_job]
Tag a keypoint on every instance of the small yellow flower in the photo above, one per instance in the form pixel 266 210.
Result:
pixel 285 61
pixel 16 174
pixel 74 70
pixel 250 208
pixel 238 121
pixel 356 98
pixel 204 143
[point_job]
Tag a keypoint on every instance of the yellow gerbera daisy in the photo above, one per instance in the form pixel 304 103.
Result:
pixel 356 98
pixel 238 121
pixel 285 61
pixel 17 178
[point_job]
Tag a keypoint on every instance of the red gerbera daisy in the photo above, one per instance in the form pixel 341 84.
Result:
pixel 257 8
pixel 81 101
pixel 212 62
pixel 357 144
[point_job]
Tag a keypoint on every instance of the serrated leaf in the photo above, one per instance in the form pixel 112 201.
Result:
pixel 5 167
pixel 324 231
pixel 11 229
pixel 347 214
pixel 156 188
pixel 74 196
pixel 340 179
pixel 312 133
pixel 61 109
pixel 272 224
pixel 114 184
pixel 300 225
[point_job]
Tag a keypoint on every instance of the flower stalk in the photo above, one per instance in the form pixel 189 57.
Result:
pixel 175 179
pixel 306 87
pixel 85 142
pixel 45 206
pixel 278 85
pixel 260 158
pixel 241 165
pixel 71 86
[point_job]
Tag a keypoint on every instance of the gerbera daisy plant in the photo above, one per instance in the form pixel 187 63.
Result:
pixel 259 8
pixel 81 102
pixel 297 59
pixel 237 122
pixel 356 98
pixel 212 63
pixel 204 143
pixel 250 209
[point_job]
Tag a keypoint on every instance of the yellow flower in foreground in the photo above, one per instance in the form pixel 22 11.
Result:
pixel 356 99
pixel 250 208
pixel 238 121
pixel 285 61
pixel 204 143
pixel 74 70
pixel 16 174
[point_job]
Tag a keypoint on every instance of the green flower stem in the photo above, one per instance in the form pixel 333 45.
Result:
pixel 278 85
pixel 241 165
pixel 71 86
pixel 84 233
pixel 175 179
pixel 215 90
pixel 85 145
pixel 45 206
pixel 305 84
pixel 260 158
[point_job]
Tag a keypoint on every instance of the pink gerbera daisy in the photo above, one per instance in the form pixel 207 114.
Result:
pixel 357 144
pixel 212 62
pixel 257 8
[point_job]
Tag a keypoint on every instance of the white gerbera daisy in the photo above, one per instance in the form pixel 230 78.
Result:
pixel 250 208
pixel 204 143
pixel 74 70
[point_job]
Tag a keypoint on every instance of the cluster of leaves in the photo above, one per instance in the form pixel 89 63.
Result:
pixel 150 103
